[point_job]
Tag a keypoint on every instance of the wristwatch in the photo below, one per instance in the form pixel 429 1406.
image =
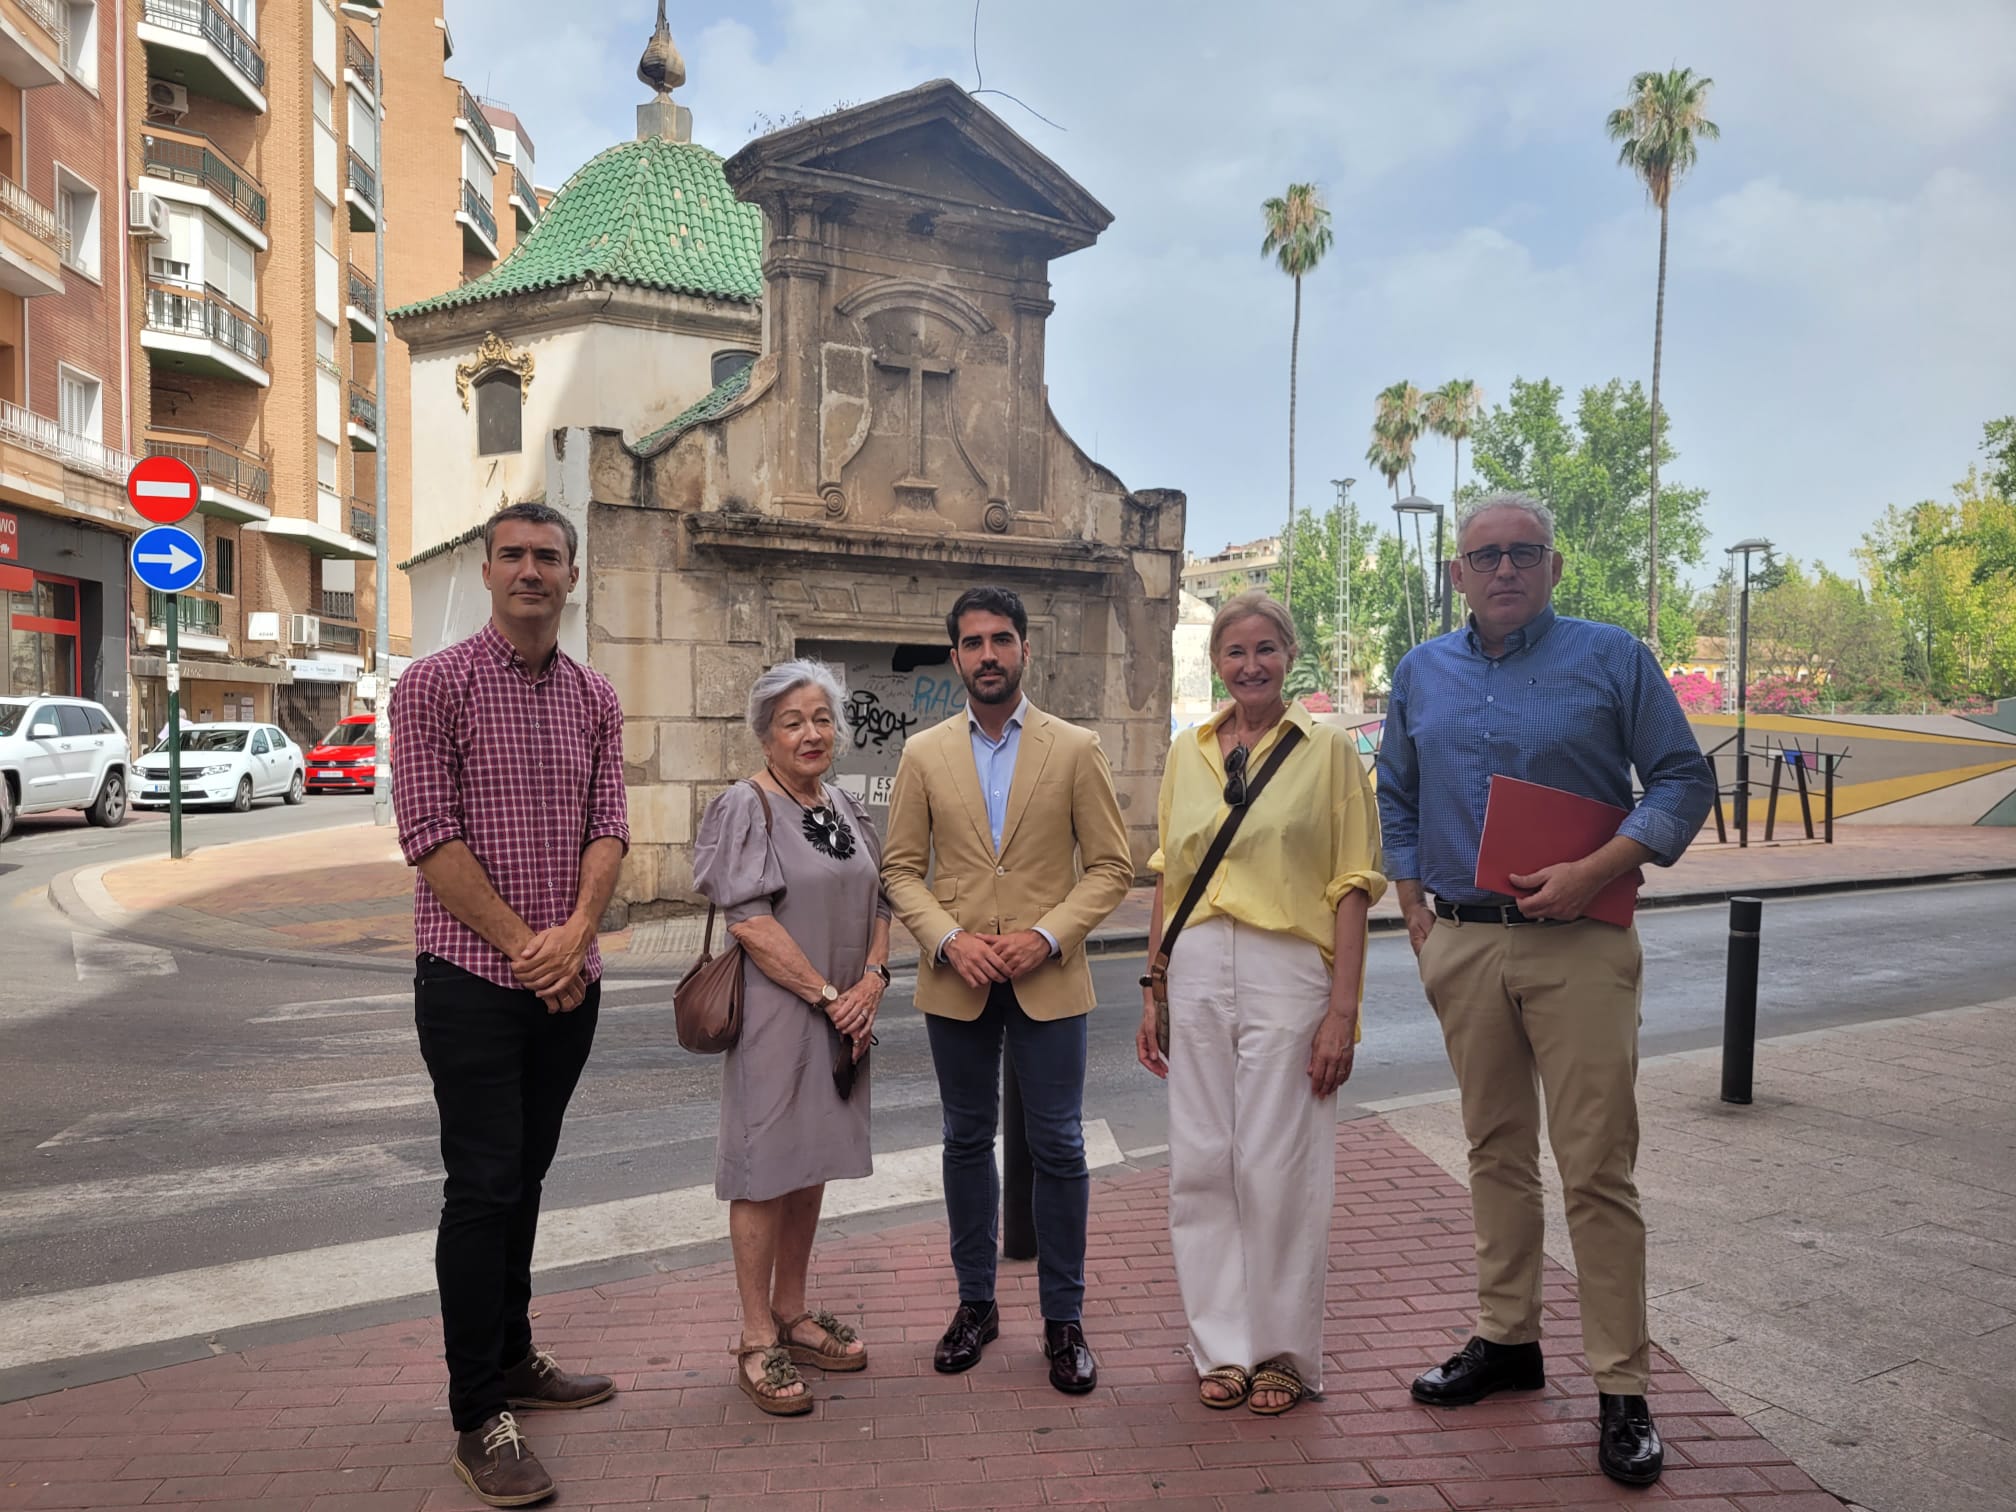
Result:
pixel 829 993
pixel 880 970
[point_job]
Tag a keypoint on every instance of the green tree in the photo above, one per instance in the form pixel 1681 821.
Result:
pixel 1998 439
pixel 1932 562
pixel 1659 131
pixel 1380 629
pixel 1595 474
pixel 1400 418
pixel 1829 632
pixel 1298 234
pixel 1452 413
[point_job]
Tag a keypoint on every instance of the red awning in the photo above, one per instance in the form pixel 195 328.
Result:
pixel 16 580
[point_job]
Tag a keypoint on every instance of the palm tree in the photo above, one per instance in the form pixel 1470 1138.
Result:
pixel 1298 234
pixel 1660 131
pixel 1387 459
pixel 1400 419
pixel 1452 413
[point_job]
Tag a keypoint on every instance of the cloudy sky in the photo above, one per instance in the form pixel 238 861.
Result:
pixel 1841 315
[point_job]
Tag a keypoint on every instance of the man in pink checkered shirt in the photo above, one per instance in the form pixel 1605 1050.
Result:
pixel 508 786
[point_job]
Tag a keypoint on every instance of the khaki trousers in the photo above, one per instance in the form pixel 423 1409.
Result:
pixel 1252 1149
pixel 1528 1008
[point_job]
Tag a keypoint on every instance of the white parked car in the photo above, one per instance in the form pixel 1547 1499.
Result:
pixel 226 763
pixel 60 753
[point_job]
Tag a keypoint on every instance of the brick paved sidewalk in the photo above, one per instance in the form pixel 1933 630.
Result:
pixel 347 891
pixel 357 1423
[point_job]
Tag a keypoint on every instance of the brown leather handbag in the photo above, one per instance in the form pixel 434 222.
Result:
pixel 707 1003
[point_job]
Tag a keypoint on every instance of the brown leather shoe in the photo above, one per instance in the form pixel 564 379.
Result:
pixel 537 1381
pixel 497 1464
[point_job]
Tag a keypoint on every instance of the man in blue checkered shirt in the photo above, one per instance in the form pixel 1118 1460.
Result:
pixel 1531 994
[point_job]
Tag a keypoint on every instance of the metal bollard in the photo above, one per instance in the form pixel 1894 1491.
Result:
pixel 1739 999
pixel 1018 1214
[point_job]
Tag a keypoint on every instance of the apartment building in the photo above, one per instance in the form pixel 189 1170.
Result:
pixel 1247 565
pixel 65 366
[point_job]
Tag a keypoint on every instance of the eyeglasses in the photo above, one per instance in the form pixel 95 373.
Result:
pixel 1235 777
pixel 1524 555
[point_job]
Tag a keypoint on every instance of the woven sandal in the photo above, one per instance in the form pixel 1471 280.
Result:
pixel 1233 1379
pixel 837 1333
pixel 779 1374
pixel 1276 1375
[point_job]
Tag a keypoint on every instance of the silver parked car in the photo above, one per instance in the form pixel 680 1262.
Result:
pixel 61 753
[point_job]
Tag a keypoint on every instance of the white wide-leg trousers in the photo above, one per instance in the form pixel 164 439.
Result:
pixel 1252 1151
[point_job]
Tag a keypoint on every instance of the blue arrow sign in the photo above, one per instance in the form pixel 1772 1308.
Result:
pixel 168 559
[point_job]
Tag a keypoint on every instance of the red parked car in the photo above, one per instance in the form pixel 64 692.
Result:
pixel 342 763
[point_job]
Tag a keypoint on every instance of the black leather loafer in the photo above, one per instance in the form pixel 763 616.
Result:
pixel 1072 1367
pixel 973 1328
pixel 1628 1448
pixel 1478 1370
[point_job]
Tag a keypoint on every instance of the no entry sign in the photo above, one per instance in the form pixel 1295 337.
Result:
pixel 162 489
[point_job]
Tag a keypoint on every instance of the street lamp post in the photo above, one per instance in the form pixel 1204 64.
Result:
pixel 1414 504
pixel 1744 549
pixel 381 763
pixel 1346 688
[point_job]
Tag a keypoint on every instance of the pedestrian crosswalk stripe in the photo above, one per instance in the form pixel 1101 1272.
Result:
pixel 102 958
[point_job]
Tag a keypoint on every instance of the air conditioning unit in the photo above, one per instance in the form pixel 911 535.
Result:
pixel 262 626
pixel 146 215
pixel 304 629
pixel 167 100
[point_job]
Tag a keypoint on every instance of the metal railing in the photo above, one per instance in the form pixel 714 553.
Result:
pixel 41 434
pixel 363 407
pixel 338 637
pixel 474 207
pixel 34 217
pixel 357 58
pixel 189 157
pixel 52 18
pixel 363 294
pixel 364 522
pixel 210 21
pixel 216 462
pixel 195 616
pixel 362 179
pixel 196 310
pixel 521 188
pixel 336 604
pixel 478 123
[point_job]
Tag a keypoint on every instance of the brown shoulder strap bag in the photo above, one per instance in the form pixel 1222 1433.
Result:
pixel 707 1003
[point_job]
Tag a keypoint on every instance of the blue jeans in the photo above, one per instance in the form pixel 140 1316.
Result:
pixel 1049 1060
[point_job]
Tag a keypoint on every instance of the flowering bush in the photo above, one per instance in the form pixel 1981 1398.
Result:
pixel 1698 692
pixel 1781 695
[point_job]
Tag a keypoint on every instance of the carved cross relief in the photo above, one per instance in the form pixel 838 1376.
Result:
pixel 915 487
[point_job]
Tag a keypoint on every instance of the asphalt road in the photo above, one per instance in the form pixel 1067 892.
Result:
pixel 172 1110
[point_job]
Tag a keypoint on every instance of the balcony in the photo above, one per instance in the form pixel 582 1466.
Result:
pixel 479 224
pixel 38 433
pixel 524 201
pixel 346 638
pixel 199 622
pixel 360 69
pixel 190 328
pixel 33 37
pixel 364 521
pixel 33 244
pixel 363 423
pixel 331 603
pixel 233 483
pixel 360 307
pixel 360 193
pixel 197 44
pixel 472 123
pixel 191 169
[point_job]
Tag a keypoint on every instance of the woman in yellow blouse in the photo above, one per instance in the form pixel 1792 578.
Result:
pixel 1263 988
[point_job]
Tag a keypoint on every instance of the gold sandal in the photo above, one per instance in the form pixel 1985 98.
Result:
pixel 778 1375
pixel 825 1359
pixel 1233 1379
pixel 1277 1375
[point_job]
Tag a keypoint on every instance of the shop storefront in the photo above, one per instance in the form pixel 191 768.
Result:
pixel 62 609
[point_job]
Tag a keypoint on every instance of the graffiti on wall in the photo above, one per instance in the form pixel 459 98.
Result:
pixel 892 692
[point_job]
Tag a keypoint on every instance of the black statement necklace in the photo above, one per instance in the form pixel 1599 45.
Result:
pixel 824 827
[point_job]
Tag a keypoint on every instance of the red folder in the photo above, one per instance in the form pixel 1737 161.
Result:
pixel 1527 826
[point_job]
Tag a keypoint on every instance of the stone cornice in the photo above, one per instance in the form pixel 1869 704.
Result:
pixel 760 536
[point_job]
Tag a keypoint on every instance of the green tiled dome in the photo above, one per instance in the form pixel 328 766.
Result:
pixel 653 213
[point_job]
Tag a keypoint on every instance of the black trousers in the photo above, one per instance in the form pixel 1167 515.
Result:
pixel 503 1069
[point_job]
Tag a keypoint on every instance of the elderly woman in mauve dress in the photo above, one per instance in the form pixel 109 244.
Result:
pixel 796 867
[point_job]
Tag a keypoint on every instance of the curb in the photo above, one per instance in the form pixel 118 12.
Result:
pixel 81 896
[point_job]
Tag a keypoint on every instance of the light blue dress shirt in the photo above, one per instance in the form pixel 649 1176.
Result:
pixel 994 762
pixel 1571 705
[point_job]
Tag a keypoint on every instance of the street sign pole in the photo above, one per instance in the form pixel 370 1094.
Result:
pixel 174 601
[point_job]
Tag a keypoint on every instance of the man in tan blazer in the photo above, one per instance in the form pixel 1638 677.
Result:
pixel 1005 850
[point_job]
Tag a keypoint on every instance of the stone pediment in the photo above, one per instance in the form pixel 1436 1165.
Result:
pixel 932 151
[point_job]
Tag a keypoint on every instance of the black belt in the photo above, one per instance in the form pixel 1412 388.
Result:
pixel 1486 913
